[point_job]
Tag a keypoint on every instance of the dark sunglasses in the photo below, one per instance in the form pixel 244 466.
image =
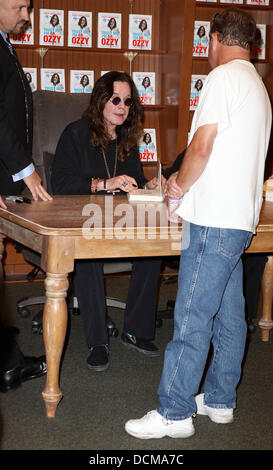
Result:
pixel 117 100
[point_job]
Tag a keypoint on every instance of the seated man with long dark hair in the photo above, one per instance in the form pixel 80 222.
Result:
pixel 100 153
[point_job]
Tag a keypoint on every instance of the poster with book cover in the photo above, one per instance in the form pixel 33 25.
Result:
pixel 258 49
pixel 26 36
pixel 145 83
pixel 79 29
pixel 197 82
pixel 51 27
pixel 257 2
pixel 31 76
pixel 231 1
pixel 201 38
pixel 53 80
pixel 147 146
pixel 109 30
pixel 81 81
pixel 140 32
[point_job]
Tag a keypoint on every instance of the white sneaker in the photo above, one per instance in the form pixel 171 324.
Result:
pixel 218 415
pixel 154 426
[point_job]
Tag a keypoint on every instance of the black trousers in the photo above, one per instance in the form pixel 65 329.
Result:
pixel 140 313
pixel 253 265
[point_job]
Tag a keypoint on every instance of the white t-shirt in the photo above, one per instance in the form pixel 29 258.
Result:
pixel 228 194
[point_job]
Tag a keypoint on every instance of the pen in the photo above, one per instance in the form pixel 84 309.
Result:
pixel 19 199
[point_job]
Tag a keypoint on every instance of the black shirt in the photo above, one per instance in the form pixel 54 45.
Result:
pixel 76 161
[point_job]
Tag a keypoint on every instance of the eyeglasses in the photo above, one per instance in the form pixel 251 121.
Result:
pixel 117 100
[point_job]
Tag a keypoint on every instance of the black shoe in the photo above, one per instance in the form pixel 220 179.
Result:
pixel 98 358
pixel 142 345
pixel 32 368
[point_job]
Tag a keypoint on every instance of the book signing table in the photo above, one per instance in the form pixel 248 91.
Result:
pixel 96 226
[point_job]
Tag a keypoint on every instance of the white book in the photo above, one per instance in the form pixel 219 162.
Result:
pixel 53 79
pixel 81 81
pixel 197 82
pixel 149 195
pixel 201 38
pixel 26 36
pixel 79 29
pixel 140 32
pixel 147 146
pixel 31 76
pixel 51 27
pixel 145 83
pixel 109 30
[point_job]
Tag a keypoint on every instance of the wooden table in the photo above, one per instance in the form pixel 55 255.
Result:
pixel 77 227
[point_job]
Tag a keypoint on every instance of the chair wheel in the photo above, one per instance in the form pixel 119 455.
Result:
pixel 37 330
pixel 113 332
pixel 23 312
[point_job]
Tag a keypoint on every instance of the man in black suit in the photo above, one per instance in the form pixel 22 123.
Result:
pixel 16 168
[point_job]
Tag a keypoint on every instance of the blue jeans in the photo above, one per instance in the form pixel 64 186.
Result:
pixel 209 309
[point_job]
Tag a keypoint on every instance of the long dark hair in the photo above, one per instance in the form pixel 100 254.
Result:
pixel 129 133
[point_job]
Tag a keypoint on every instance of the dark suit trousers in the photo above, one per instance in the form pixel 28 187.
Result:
pixel 140 313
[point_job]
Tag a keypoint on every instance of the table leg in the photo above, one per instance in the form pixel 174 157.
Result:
pixel 54 331
pixel 266 323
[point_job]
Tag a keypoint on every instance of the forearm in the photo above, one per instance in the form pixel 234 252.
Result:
pixel 196 157
pixel 191 169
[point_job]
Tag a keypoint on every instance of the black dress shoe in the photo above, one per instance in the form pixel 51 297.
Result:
pixel 98 358
pixel 32 368
pixel 144 346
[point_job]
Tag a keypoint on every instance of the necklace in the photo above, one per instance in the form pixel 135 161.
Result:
pixel 115 165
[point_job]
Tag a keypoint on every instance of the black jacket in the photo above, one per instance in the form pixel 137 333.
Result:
pixel 15 147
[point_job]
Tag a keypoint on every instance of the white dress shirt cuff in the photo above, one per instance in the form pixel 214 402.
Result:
pixel 23 173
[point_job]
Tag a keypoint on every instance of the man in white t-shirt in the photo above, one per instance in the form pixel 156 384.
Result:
pixel 218 194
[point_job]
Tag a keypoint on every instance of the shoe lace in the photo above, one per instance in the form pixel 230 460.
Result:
pixel 165 421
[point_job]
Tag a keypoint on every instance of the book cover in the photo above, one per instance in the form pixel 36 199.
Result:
pixel 201 38
pixel 79 29
pixel 140 32
pixel 258 49
pixel 51 27
pixel 109 30
pixel 147 146
pixel 31 76
pixel 53 79
pixel 81 81
pixel 231 1
pixel 197 82
pixel 26 36
pixel 257 2
pixel 145 83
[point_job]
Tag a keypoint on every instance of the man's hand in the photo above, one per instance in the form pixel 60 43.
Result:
pixel 34 184
pixel 173 190
pixel 2 204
